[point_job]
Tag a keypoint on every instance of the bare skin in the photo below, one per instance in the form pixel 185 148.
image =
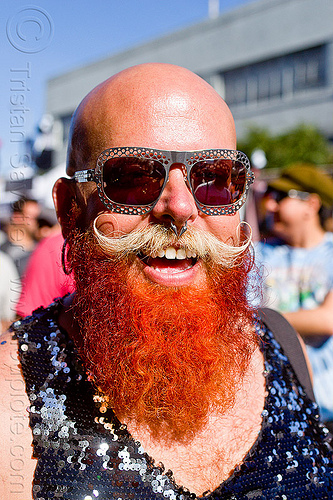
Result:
pixel 163 107
pixel 16 462
pixel 310 322
pixel 22 229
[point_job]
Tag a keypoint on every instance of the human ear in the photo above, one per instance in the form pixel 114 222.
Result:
pixel 314 202
pixel 65 202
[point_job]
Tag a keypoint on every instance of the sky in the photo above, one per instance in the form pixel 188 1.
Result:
pixel 50 37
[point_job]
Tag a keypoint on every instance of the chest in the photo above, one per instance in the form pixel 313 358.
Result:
pixel 83 451
pixel 209 460
pixel 292 283
pixel 290 268
pixel 202 463
pixel 105 458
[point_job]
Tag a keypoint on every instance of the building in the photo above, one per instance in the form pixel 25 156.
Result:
pixel 271 60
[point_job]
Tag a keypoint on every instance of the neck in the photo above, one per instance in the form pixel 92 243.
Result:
pixel 309 238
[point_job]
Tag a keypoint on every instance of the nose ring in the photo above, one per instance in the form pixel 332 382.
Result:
pixel 175 230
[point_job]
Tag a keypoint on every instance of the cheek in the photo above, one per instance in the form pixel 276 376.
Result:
pixel 284 216
pixel 291 212
pixel 115 225
pixel 223 227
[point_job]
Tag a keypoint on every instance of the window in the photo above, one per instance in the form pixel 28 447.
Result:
pixel 276 77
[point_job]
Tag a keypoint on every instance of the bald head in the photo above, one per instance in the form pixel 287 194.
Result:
pixel 153 105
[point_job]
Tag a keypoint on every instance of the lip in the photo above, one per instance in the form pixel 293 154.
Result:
pixel 171 275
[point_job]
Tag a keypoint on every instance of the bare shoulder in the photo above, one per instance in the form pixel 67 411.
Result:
pixel 16 462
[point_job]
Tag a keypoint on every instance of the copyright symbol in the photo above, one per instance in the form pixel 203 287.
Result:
pixel 30 30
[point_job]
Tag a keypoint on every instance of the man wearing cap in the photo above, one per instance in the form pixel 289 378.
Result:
pixel 298 268
pixel 156 379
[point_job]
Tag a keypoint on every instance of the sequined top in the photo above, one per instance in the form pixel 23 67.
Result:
pixel 85 453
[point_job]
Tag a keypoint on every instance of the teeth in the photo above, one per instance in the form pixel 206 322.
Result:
pixel 190 254
pixel 164 271
pixel 181 254
pixel 171 253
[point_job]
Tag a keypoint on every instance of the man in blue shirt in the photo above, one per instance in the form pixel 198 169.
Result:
pixel 298 269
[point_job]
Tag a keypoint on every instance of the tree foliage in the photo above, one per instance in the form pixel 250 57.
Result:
pixel 301 144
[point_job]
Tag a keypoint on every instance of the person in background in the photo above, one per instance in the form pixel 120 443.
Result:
pixel 47 223
pixel 298 267
pixel 45 228
pixel 44 278
pixel 22 232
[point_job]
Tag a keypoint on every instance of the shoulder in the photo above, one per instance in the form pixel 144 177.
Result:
pixel 329 237
pixel 327 243
pixel 9 361
pixel 16 462
pixel 268 253
pixel 11 378
pixel 323 253
pixel 50 244
pixel 46 253
pixel 292 346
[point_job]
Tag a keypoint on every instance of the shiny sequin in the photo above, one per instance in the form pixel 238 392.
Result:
pixel 85 453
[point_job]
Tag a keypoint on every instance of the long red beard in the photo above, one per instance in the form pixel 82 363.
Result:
pixel 162 357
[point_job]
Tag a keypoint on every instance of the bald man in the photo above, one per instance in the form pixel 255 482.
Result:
pixel 156 379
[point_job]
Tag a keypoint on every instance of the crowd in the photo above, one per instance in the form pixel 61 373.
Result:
pixel 168 372
pixel 30 249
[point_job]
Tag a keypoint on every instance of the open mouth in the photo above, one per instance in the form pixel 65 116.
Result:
pixel 170 260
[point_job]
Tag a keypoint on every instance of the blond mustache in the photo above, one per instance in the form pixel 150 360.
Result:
pixel 155 237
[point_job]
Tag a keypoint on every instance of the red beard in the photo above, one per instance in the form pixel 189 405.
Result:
pixel 163 357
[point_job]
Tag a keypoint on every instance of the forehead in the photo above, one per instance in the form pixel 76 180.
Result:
pixel 172 121
pixel 183 114
pixel 31 207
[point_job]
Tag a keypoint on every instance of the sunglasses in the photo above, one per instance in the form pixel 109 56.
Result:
pixel 278 196
pixel 130 180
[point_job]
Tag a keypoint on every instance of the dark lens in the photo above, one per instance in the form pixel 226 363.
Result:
pixel 132 181
pixel 277 195
pixel 218 182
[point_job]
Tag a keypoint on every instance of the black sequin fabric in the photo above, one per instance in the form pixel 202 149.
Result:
pixel 85 453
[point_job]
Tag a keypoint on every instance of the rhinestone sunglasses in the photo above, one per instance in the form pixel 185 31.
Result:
pixel 130 180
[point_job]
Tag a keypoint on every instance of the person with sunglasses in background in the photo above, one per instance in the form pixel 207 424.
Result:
pixel 297 263
pixel 157 378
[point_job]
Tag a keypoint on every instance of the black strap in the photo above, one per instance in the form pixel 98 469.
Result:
pixel 287 337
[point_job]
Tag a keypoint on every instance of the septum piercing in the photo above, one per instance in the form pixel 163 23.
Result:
pixel 175 230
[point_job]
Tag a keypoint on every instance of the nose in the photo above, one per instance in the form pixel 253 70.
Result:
pixel 176 203
pixel 271 205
